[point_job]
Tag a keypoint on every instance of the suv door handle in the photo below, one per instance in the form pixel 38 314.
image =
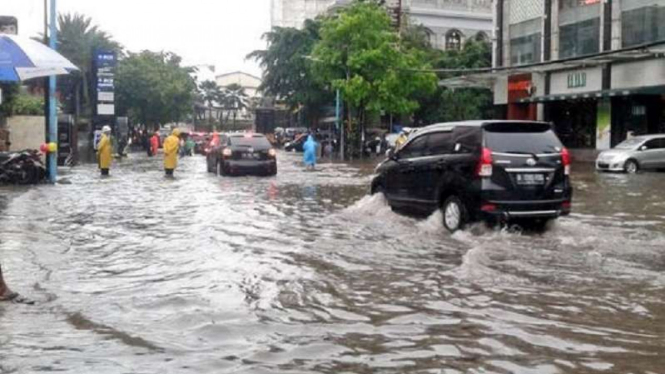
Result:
pixel 441 164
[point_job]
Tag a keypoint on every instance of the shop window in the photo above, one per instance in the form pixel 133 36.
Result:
pixel 570 4
pixel 643 25
pixel 454 40
pixel 525 49
pixel 581 38
pixel 482 37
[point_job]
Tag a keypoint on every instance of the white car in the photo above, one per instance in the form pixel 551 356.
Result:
pixel 634 154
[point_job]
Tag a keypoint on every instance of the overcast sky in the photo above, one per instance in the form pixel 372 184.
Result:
pixel 218 32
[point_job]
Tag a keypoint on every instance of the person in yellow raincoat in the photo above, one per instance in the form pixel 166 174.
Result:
pixel 104 150
pixel 171 147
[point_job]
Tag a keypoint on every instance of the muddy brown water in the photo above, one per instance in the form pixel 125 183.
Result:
pixel 304 273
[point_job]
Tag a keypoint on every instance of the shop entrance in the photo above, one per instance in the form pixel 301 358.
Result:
pixel 638 114
pixel 574 121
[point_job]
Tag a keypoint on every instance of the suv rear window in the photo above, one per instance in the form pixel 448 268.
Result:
pixel 253 141
pixel 521 138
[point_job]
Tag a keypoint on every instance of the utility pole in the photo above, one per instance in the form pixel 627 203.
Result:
pixel 53 115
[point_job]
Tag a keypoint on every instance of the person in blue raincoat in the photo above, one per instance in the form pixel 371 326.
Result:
pixel 310 152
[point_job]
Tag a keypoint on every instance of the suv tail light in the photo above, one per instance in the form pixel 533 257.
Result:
pixel 484 168
pixel 565 160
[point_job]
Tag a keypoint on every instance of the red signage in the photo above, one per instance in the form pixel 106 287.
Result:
pixel 519 87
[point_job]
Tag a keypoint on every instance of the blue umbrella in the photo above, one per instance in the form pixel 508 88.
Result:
pixel 22 59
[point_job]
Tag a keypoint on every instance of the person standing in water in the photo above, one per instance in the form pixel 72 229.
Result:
pixel 104 151
pixel 309 148
pixel 171 147
pixel 154 144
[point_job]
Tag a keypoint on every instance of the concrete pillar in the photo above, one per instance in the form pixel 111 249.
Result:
pixel 555 30
pixel 616 24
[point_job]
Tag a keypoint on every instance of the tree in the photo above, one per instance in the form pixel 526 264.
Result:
pixel 78 39
pixel 361 54
pixel 211 93
pixel 235 99
pixel 287 74
pixel 152 88
pixel 459 104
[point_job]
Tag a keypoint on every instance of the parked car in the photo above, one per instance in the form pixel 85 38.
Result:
pixel 495 171
pixel 634 154
pixel 248 154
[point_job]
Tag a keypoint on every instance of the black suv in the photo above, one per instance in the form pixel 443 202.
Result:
pixel 497 171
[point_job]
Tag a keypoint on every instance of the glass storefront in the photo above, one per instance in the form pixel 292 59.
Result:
pixel 642 21
pixel 579 27
pixel 581 38
pixel 525 42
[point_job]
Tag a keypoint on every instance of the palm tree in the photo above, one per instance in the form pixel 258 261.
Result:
pixel 235 99
pixel 211 93
pixel 78 39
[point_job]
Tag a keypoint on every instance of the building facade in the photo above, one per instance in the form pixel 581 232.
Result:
pixel 449 23
pixel 594 68
pixel 293 13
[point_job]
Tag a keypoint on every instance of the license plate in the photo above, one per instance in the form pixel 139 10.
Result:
pixel 249 156
pixel 530 179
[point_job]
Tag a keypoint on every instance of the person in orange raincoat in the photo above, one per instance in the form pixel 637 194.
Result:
pixel 154 143
pixel 171 147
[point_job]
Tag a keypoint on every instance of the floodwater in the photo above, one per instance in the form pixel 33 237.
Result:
pixel 303 273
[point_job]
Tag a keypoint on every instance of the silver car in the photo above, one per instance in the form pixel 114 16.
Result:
pixel 634 154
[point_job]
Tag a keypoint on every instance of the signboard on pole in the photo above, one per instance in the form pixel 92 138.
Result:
pixel 105 63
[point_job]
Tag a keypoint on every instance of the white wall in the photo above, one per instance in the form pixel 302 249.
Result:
pixel 26 132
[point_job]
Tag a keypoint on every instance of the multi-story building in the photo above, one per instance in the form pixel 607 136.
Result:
pixel 449 23
pixel 293 13
pixel 594 68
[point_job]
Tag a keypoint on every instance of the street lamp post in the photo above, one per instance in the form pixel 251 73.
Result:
pixel 52 109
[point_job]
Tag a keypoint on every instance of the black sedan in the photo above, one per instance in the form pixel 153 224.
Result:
pixel 248 154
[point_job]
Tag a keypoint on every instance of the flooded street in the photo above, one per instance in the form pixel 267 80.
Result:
pixel 304 273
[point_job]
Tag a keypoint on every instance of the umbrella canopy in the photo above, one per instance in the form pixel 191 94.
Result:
pixel 23 58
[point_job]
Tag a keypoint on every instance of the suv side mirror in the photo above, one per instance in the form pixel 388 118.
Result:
pixel 391 155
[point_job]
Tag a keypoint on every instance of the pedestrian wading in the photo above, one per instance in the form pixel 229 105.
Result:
pixel 171 147
pixel 104 151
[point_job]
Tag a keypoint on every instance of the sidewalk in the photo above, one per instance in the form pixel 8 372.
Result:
pixel 584 155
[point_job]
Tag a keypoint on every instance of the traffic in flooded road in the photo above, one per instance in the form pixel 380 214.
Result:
pixel 304 272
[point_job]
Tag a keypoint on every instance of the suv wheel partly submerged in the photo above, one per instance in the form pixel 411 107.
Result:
pixel 631 167
pixel 454 214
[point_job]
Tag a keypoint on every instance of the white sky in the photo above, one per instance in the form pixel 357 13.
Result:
pixel 212 32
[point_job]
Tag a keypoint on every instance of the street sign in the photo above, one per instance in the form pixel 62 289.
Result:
pixel 105 63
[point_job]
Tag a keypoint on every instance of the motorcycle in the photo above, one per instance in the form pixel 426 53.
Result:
pixel 24 167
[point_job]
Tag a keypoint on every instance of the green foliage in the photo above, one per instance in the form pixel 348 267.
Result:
pixel 459 104
pixel 78 39
pixel 287 74
pixel 152 88
pixel 17 102
pixel 361 54
pixel 27 105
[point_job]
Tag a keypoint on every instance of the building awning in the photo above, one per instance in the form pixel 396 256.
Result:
pixel 486 77
pixel 656 90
